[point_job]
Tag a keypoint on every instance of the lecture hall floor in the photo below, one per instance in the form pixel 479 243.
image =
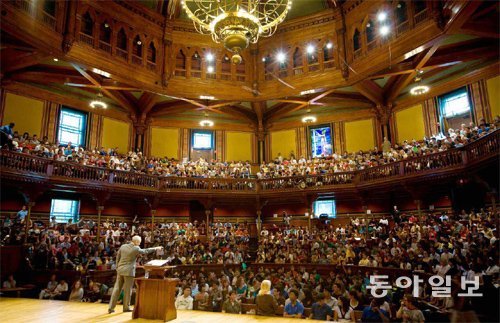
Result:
pixel 34 310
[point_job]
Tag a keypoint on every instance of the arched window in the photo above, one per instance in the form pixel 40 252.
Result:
pixel 401 12
pixel 312 55
pixel 151 53
pixel 356 41
pixel 49 7
pixel 180 60
pixel 297 58
pixel 196 62
pixel 268 67
pixel 240 71
pixel 137 46
pixel 226 64
pixel 420 5
pixel 121 40
pixel 87 27
pixel 328 51
pixel 370 32
pixel 105 33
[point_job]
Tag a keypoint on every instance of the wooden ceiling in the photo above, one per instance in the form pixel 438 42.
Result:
pixel 469 43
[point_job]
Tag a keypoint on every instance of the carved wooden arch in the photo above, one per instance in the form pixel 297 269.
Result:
pixel 142 39
pixel 302 57
pixel 153 42
pixel 324 41
pixel 176 52
pixel 93 15
pixel 355 27
pixel 104 19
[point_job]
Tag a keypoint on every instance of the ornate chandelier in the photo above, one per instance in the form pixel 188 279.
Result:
pixel 236 23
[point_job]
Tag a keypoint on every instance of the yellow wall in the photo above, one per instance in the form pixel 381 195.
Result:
pixel 410 123
pixel 25 112
pixel 283 142
pixel 238 146
pixel 165 142
pixel 115 134
pixel 359 135
pixel 493 85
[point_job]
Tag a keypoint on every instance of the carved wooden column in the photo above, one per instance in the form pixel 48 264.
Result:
pixel 28 220
pixel 69 30
pixel 261 137
pixel 100 198
pixel 153 213
pixel 259 220
pixel 139 131
pixel 153 202
pixel 207 213
pixel 100 208
pixel 341 45
pixel 383 117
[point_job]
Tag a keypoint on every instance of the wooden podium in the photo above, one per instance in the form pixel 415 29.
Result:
pixel 155 296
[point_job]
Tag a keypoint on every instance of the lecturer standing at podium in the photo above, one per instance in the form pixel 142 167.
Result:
pixel 125 271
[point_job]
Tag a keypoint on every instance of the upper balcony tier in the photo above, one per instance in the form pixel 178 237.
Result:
pixel 21 168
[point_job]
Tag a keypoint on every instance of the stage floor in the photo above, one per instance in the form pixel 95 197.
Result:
pixel 34 310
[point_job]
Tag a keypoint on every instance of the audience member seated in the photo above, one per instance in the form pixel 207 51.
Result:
pixel 10 282
pixel 76 294
pixel 374 313
pixel 184 301
pixel 294 308
pixel 266 304
pixel 320 310
pixel 231 305
pixel 51 287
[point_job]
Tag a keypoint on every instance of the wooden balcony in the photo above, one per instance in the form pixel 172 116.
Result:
pixel 22 167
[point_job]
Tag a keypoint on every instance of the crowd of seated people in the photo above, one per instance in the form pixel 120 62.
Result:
pixel 279 167
pixel 437 243
pixel 74 245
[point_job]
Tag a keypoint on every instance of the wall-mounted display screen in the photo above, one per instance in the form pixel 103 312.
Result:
pixel 202 140
pixel 321 141
pixel 325 207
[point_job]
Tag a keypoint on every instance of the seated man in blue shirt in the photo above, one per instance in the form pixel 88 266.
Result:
pixel 21 215
pixel 373 313
pixel 295 307
pixel 320 310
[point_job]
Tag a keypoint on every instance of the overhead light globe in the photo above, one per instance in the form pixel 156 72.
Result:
pixel 206 123
pixel 210 69
pixel 281 57
pixel 309 119
pixel 382 16
pixel 310 49
pixel 419 90
pixel 329 45
pixel 384 30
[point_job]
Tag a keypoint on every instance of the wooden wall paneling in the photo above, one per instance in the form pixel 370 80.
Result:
pixel 220 144
pixel 480 102
pixel 2 104
pixel 185 143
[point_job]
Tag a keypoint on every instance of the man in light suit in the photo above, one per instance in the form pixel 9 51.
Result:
pixel 125 271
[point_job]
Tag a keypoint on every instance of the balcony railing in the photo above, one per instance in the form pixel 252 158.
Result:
pixel 18 164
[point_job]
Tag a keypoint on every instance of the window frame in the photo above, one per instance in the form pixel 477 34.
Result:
pixel 195 131
pixel 441 111
pixel 309 138
pixel 332 216
pixel 83 128
pixel 63 217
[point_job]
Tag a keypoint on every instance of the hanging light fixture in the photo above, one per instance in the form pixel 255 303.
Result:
pixel 206 122
pixel 236 24
pixel 418 88
pixel 309 118
pixel 98 103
